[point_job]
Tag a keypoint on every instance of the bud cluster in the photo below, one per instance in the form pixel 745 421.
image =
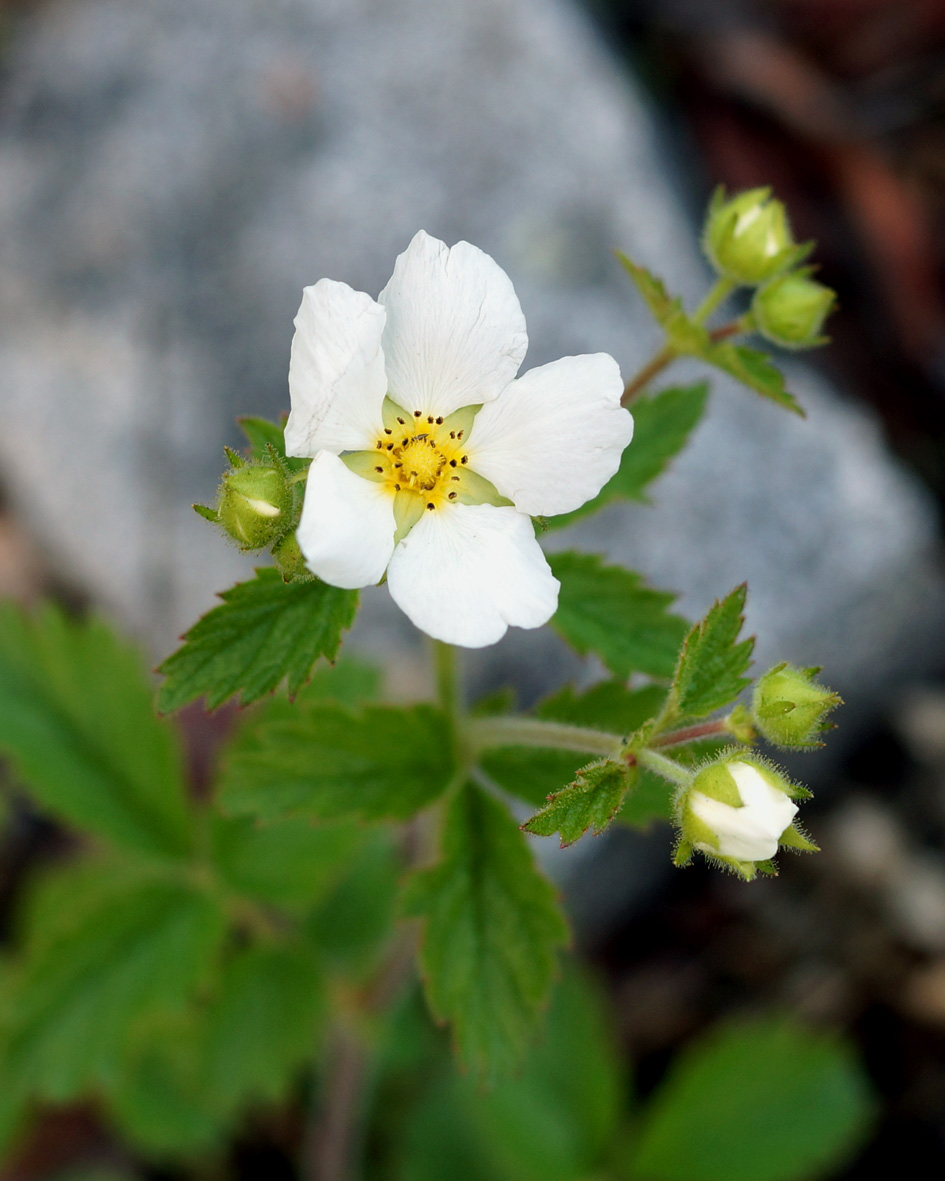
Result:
pixel 748 240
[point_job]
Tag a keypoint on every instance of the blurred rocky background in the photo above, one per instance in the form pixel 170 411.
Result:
pixel 172 172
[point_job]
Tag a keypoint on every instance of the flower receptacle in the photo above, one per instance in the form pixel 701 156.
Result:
pixel 790 708
pixel 747 237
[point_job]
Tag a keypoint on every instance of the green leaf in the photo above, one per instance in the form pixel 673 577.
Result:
pixel 753 369
pixel 353 922
pixel 159 1101
pixel 591 801
pixel 265 631
pixel 606 610
pixel 662 426
pixel 493 926
pixel 262 1025
pixel 533 774
pixel 77 723
pixel 552 1122
pixel 328 762
pixel 766 1100
pixel 712 663
pixel 291 862
pixel 127 947
pixel 664 307
pixel 263 434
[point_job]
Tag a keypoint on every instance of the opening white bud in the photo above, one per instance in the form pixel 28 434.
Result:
pixel 750 832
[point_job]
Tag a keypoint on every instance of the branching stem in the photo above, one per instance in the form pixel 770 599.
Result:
pixel 485 733
pixel 661 765
pixel 692 733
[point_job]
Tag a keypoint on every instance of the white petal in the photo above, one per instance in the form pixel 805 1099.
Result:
pixel 347 528
pixel 455 332
pixel 336 371
pixel 465 572
pixel 555 436
pixel 749 833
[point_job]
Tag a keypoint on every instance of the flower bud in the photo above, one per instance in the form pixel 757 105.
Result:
pixel 791 310
pixel 747 238
pixel 738 809
pixel 254 505
pixel 790 707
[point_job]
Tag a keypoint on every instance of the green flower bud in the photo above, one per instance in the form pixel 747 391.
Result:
pixel 254 505
pixel 747 238
pixel 790 707
pixel 791 310
pixel 738 809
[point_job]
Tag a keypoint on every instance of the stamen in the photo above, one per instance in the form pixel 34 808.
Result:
pixel 431 506
pixel 452 463
pixel 416 414
pixel 453 495
pixel 465 459
pixel 402 421
pixel 388 431
pixel 439 421
pixel 379 469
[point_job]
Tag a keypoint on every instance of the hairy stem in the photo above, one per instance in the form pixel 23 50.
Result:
pixel 692 733
pixel 644 376
pixel 331 1145
pixel 661 765
pixel 720 290
pixel 484 733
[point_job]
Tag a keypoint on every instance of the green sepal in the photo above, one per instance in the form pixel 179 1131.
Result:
pixel 236 460
pixel 208 514
pixel 794 838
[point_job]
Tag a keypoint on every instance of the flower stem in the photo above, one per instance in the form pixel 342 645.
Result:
pixel 447 680
pixel 644 376
pixel 692 733
pixel 661 765
pixel 484 733
pixel 720 290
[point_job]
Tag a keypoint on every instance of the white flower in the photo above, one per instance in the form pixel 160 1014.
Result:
pixel 751 832
pixel 429 456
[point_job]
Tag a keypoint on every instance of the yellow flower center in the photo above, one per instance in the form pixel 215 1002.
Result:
pixel 423 455
pixel 422 462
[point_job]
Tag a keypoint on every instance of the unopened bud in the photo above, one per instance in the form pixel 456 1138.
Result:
pixel 790 708
pixel 747 238
pixel 791 310
pixel 738 810
pixel 254 505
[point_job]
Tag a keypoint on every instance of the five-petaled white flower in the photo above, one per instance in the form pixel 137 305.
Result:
pixel 429 456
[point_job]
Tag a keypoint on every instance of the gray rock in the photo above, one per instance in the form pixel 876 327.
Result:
pixel 173 172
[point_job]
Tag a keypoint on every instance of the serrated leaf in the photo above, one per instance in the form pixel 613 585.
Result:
pixel 327 762
pixel 264 632
pixel 533 774
pixel 131 947
pixel 492 930
pixel 261 1025
pixel 77 723
pixel 713 661
pixel 591 801
pixel 766 1100
pixel 663 306
pixel 662 426
pixel 608 611
pixel 753 369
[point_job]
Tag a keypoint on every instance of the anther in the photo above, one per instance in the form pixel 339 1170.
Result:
pixel 429 418
pixel 452 434
pixel 388 431
pixel 455 479
pixel 439 421
pixel 396 487
pixel 452 461
pixel 379 444
pixel 390 446
pixel 416 414
pixel 379 469
pixel 402 421
pixel 431 505
pixel 465 459
pixel 460 434
pixel 453 495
